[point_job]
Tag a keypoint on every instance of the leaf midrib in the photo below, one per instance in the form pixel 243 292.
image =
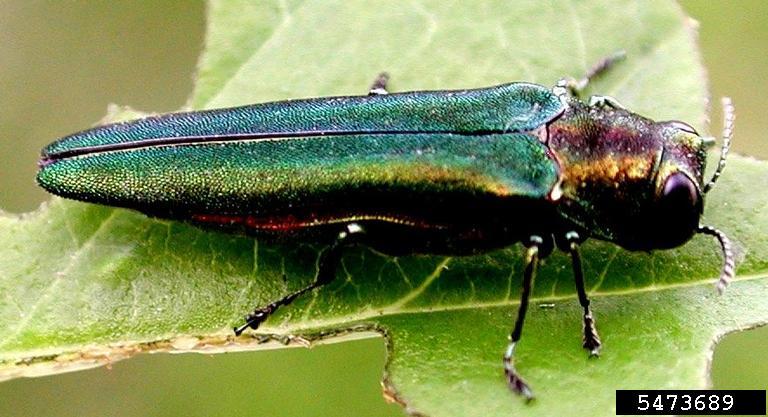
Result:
pixel 389 310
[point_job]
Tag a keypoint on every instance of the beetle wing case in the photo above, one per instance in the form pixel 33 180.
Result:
pixel 455 161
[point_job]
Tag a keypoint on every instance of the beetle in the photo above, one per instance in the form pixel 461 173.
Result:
pixel 426 172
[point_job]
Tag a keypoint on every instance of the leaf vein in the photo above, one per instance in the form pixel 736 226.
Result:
pixel 422 287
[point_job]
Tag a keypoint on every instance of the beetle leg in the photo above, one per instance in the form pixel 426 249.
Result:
pixel 591 340
pixel 327 266
pixel 379 86
pixel 576 87
pixel 515 381
pixel 605 102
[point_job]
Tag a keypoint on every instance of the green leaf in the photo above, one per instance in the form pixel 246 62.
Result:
pixel 82 285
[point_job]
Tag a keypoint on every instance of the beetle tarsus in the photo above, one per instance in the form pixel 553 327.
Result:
pixel 240 329
pixel 379 85
pixel 327 265
pixel 254 320
pixel 514 380
pixel 590 340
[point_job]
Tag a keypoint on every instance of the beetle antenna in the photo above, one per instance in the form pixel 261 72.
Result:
pixel 729 115
pixel 727 273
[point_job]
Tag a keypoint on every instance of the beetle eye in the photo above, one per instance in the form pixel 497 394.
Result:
pixel 679 193
pixel 677 211
pixel 685 127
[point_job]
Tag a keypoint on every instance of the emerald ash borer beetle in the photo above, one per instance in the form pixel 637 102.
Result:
pixel 426 172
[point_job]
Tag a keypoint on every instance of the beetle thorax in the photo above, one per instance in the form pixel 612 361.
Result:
pixel 608 159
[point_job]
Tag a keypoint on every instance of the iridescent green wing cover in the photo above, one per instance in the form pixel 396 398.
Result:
pixel 397 176
pixel 516 107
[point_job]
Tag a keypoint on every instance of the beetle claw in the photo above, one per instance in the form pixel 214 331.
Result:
pixel 591 340
pixel 520 387
pixel 239 330
pixel 254 320
pixel 514 381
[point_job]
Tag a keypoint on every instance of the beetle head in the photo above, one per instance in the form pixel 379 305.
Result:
pixel 635 182
pixel 679 186
pixel 672 215
pixel 630 180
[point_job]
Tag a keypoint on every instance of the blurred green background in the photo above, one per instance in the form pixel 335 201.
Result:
pixel 62 63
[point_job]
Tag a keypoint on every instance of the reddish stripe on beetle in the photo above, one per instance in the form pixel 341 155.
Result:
pixel 290 222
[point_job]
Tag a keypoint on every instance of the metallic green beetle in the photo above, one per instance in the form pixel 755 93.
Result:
pixel 435 172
